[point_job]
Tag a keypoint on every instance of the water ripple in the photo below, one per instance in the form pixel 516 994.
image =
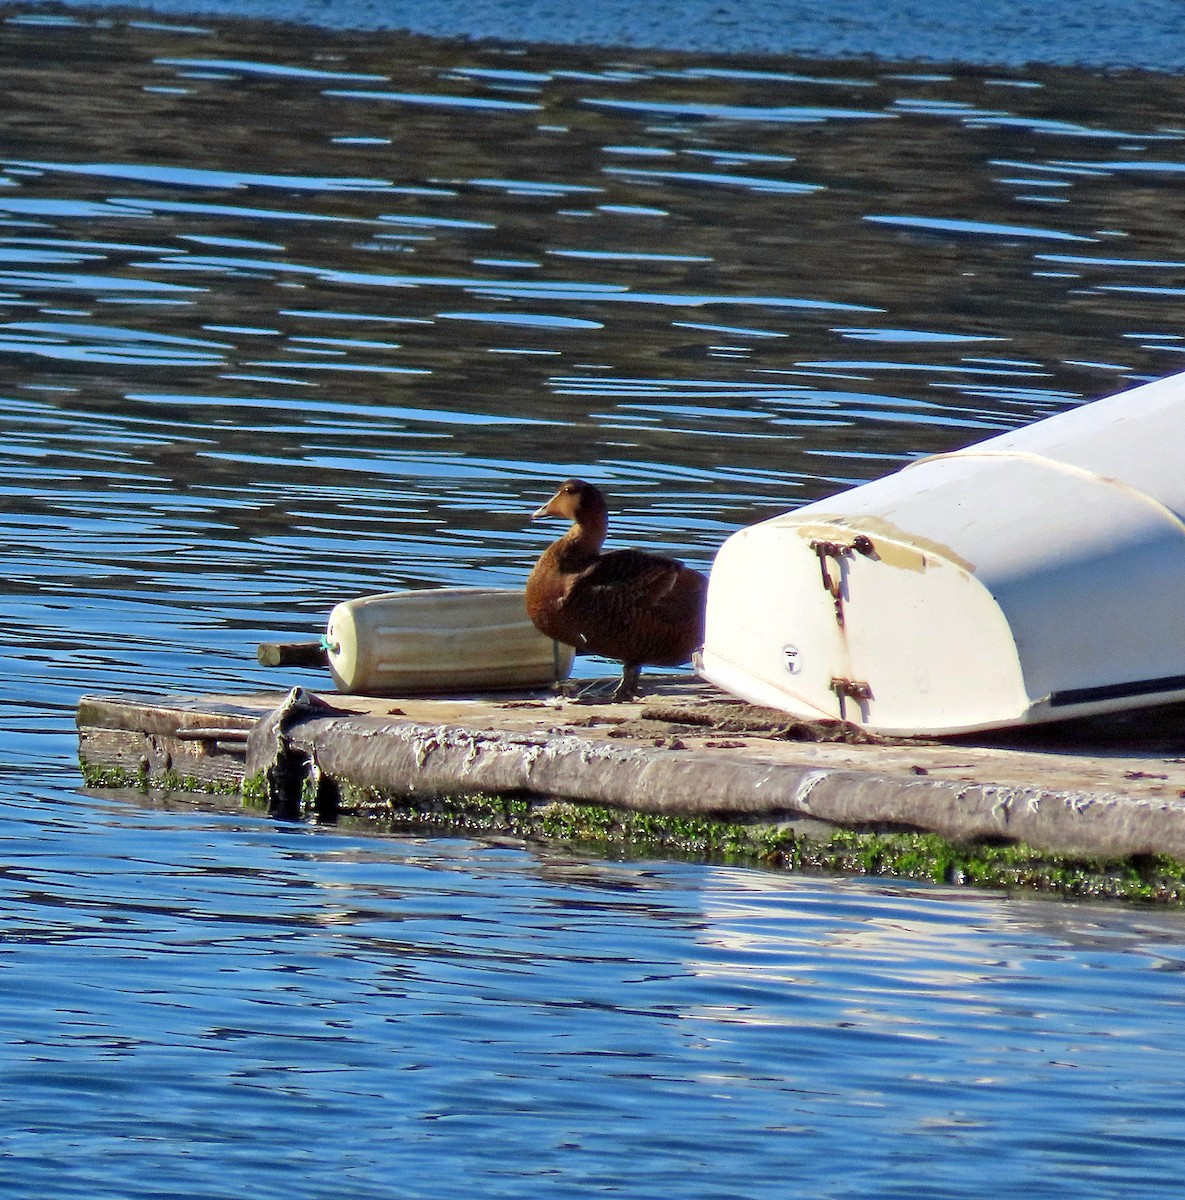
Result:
pixel 265 69
pixel 797 114
pixel 121 205
pixel 51 281
pixel 438 100
pixel 978 228
pixel 532 320
pixel 199 177
pixel 106 344
pixel 753 183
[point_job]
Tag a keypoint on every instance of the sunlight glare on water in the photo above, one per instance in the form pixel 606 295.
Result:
pixel 289 316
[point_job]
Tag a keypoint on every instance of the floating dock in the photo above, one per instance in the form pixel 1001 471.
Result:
pixel 688 768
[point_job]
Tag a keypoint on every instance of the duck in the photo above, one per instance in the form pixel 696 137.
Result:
pixel 639 608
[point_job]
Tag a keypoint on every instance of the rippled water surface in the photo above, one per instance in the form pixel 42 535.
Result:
pixel 287 317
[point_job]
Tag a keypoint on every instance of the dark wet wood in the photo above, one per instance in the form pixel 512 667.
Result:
pixel 292 654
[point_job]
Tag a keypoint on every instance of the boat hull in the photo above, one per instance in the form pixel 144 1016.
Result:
pixel 1034 577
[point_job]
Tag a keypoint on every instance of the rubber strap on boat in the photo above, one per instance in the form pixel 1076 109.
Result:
pixel 1117 691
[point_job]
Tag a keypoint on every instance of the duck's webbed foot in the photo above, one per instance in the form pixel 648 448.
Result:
pixel 601 691
pixel 629 686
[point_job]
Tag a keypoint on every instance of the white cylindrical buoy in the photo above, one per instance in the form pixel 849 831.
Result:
pixel 441 640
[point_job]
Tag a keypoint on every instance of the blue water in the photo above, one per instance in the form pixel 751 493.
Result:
pixel 1093 33
pixel 219 1006
pixel 288 316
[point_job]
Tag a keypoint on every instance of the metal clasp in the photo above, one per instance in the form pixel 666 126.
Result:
pixel 850 689
pixel 834 585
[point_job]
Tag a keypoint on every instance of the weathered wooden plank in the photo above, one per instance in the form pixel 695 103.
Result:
pixel 123 756
pixel 193 742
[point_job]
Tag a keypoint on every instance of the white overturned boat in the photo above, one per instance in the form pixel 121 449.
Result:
pixel 1035 576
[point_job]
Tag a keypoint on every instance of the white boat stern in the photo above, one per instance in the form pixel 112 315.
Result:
pixel 857 620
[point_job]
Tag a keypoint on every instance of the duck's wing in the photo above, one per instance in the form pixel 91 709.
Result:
pixel 636 580
pixel 634 606
pixel 632 572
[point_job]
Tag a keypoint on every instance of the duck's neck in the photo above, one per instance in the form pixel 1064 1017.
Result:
pixel 585 539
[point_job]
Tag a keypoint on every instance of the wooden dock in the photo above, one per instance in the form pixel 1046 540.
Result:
pixel 685 757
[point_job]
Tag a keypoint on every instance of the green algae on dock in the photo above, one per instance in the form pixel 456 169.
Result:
pixel 686 772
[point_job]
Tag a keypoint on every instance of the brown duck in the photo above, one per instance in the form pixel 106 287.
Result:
pixel 640 608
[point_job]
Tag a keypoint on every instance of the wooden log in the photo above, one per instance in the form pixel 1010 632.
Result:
pixel 292 654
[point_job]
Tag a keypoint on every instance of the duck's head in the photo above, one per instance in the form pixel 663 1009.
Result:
pixel 576 500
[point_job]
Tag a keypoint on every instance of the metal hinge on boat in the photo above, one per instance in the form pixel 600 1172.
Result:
pixel 834 584
pixel 850 689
